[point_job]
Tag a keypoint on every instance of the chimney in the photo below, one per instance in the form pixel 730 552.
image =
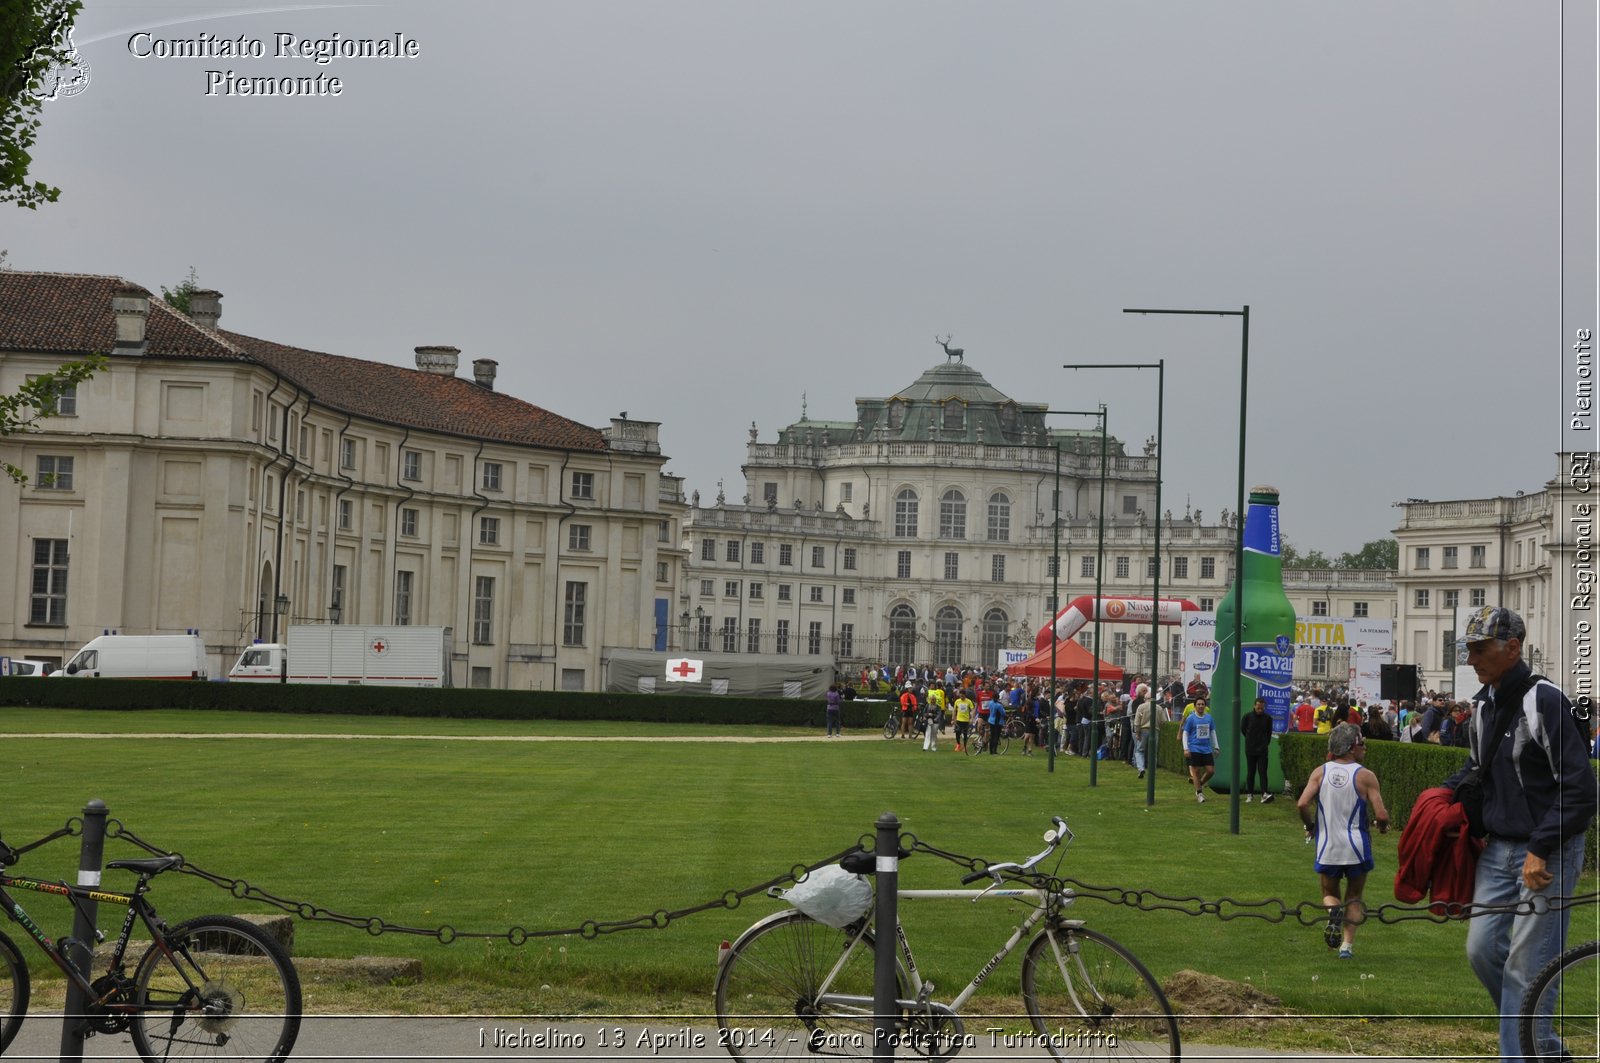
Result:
pixel 483 372
pixel 131 307
pixel 205 307
pixel 440 360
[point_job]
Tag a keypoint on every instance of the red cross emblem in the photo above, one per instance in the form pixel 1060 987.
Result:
pixel 379 646
pixel 684 668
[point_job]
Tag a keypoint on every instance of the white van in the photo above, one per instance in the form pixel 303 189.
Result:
pixel 139 657
pixel 38 669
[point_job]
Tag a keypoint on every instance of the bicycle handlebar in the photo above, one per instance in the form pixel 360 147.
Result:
pixel 1058 834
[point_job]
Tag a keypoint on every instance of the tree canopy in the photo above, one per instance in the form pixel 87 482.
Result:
pixel 33 43
pixel 1377 554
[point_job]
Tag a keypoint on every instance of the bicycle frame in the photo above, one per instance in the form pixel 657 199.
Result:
pixel 921 991
pixel 138 908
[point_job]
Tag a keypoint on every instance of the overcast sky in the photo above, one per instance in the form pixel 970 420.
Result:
pixel 696 210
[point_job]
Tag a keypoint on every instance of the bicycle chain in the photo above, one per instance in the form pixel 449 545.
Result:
pixel 589 929
pixel 1272 910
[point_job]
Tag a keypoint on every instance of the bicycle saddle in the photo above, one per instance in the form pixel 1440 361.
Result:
pixel 152 866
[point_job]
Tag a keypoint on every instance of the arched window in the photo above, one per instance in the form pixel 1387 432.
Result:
pixel 947 637
pixel 905 514
pixel 953 515
pixel 902 635
pixel 995 626
pixel 999 517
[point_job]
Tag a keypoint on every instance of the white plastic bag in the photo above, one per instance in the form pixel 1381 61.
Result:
pixel 831 895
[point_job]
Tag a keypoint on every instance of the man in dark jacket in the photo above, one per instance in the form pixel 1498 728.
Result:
pixel 1256 727
pixel 1539 796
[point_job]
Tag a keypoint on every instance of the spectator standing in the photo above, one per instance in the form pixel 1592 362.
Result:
pixel 1143 713
pixel 1256 727
pixel 963 710
pixel 832 705
pixel 1344 795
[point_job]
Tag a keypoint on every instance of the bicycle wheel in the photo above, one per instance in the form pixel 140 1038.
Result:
pixel 976 742
pixel 1558 1014
pixel 1004 743
pixel 13 990
pixel 1088 997
pixel 891 726
pixel 767 990
pixel 228 991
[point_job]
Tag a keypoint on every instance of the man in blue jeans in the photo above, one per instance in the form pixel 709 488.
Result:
pixel 1538 799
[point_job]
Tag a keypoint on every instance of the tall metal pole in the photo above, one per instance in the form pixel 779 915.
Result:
pixel 1055 582
pixel 1160 367
pixel 1238 545
pixel 1096 715
pixel 885 985
pixel 79 949
pixel 1055 606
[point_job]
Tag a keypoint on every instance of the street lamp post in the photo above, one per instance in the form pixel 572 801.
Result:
pixel 1243 314
pixel 280 610
pixel 1160 366
pixel 335 613
pixel 1055 578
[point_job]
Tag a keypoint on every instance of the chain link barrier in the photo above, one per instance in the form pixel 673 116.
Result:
pixel 375 925
pixel 1272 910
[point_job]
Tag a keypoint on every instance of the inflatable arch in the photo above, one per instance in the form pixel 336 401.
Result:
pixel 1080 611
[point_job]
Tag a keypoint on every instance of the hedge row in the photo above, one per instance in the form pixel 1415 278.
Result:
pixel 137 694
pixel 1404 770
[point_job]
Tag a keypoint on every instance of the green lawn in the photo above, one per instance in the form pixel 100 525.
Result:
pixel 489 835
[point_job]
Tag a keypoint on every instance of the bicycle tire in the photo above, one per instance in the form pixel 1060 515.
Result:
pixel 974 744
pixel 1573 976
pixel 14 990
pixel 1105 1004
pixel 766 992
pixel 1004 743
pixel 197 999
pixel 891 726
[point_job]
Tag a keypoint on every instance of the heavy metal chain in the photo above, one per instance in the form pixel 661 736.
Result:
pixel 659 919
pixel 1272 910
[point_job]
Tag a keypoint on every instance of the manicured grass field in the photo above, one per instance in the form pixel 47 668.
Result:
pixel 485 836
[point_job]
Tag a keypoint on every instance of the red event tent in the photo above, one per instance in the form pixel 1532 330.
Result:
pixel 1072 662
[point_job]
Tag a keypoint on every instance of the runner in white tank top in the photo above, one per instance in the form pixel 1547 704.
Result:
pixel 1336 804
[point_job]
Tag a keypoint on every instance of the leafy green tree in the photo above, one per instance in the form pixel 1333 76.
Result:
pixel 1379 553
pixel 36 400
pixel 1293 558
pixel 33 42
pixel 178 297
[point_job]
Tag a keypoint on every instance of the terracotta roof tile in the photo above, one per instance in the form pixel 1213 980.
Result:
pixel 70 314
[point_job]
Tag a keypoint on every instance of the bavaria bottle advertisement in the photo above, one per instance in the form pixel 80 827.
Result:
pixel 1269 620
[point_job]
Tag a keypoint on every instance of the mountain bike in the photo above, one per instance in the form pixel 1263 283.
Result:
pixel 215 986
pixel 793 987
pixel 1559 1014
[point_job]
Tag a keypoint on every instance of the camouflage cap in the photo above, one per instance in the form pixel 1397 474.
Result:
pixel 1494 622
pixel 1343 738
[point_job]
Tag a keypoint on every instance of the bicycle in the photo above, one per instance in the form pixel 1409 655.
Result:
pixel 982 744
pixel 215 985
pixel 1550 1028
pixel 795 987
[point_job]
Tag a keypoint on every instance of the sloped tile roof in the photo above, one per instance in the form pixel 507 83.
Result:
pixel 70 314
pixel 429 401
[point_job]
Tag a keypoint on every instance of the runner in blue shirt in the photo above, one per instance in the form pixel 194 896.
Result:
pixel 1197 731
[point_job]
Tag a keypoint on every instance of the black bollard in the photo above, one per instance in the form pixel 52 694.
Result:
pixel 885 986
pixel 91 854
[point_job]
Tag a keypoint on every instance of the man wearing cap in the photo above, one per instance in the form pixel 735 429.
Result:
pixel 1538 799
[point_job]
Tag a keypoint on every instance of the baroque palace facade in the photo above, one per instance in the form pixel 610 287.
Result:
pixel 1532 552
pixel 923 531
pixel 214 481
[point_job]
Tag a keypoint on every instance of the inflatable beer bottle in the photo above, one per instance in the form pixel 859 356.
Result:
pixel 1268 665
